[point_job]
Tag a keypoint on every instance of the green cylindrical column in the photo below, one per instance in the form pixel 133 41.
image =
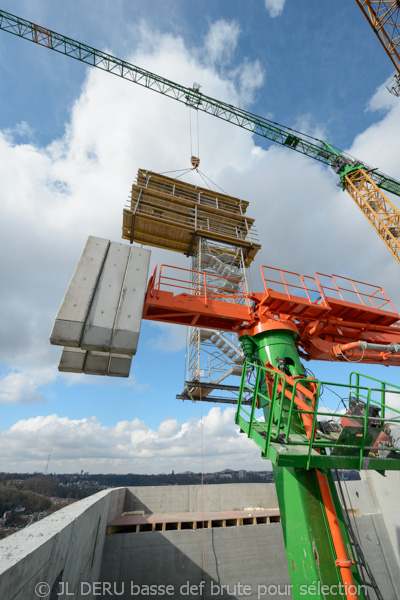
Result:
pixel 279 344
pixel 309 547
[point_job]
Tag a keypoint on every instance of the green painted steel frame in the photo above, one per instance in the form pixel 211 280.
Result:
pixel 299 450
pixel 270 130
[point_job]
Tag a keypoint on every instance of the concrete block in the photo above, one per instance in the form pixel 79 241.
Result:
pixel 100 321
pixel 126 331
pixel 97 363
pixel 119 365
pixel 72 360
pixel 71 317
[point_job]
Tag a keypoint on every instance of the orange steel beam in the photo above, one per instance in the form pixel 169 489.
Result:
pixel 319 325
pixel 343 561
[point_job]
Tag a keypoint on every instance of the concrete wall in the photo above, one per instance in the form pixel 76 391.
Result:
pixel 71 545
pixel 386 493
pixel 188 498
pixel 64 547
pixel 252 555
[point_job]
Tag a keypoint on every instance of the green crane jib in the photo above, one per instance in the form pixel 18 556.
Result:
pixel 190 96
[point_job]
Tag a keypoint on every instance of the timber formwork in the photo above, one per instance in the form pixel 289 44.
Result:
pixel 171 214
pixel 214 230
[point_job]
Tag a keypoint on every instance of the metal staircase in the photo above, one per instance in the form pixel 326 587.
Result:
pixel 213 355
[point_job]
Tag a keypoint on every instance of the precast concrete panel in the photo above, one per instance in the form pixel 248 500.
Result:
pixel 126 331
pixel 97 363
pixel 100 321
pixel 119 365
pixel 71 317
pixel 72 360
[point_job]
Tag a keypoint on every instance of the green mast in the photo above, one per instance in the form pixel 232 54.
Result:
pixel 310 551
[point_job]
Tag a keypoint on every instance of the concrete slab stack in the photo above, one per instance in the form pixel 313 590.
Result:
pixel 99 319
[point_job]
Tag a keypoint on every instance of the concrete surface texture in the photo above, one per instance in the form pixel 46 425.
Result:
pixel 70 553
pixel 99 320
pixel 234 557
pixel 188 498
pixel 71 317
pixel 64 547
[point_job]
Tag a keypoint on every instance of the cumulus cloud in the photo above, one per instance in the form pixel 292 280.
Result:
pixel 274 7
pixel 128 446
pixel 250 78
pixel 21 387
pixel 53 197
pixel 20 130
pixel 221 41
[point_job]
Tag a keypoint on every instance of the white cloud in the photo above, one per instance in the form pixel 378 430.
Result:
pixel 274 7
pixel 54 197
pixel 221 41
pixel 128 446
pixel 250 78
pixel 21 129
pixel 21 387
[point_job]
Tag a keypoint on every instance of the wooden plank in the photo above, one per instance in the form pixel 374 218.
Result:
pixel 150 178
pixel 155 198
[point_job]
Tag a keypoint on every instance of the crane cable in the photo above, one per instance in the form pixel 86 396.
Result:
pixel 195 160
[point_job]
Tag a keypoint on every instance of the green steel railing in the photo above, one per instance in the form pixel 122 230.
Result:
pixel 281 436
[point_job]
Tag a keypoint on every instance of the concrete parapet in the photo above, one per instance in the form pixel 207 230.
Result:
pixel 188 498
pixel 64 547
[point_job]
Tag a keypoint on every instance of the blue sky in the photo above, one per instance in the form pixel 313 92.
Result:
pixel 71 141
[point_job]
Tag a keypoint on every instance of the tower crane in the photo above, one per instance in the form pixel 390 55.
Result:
pixel 276 329
pixel 384 18
pixel 366 185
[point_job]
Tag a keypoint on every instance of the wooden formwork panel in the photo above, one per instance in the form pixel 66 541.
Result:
pixel 171 186
pixel 154 231
pixel 171 214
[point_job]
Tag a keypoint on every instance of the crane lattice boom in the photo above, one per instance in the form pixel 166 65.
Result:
pixel 265 128
pixel 384 18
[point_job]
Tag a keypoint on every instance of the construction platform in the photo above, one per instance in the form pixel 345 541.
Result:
pixel 174 215
pixel 137 523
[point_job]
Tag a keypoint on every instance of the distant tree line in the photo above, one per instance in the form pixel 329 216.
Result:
pixel 11 497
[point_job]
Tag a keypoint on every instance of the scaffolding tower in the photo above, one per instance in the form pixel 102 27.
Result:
pixel 212 229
